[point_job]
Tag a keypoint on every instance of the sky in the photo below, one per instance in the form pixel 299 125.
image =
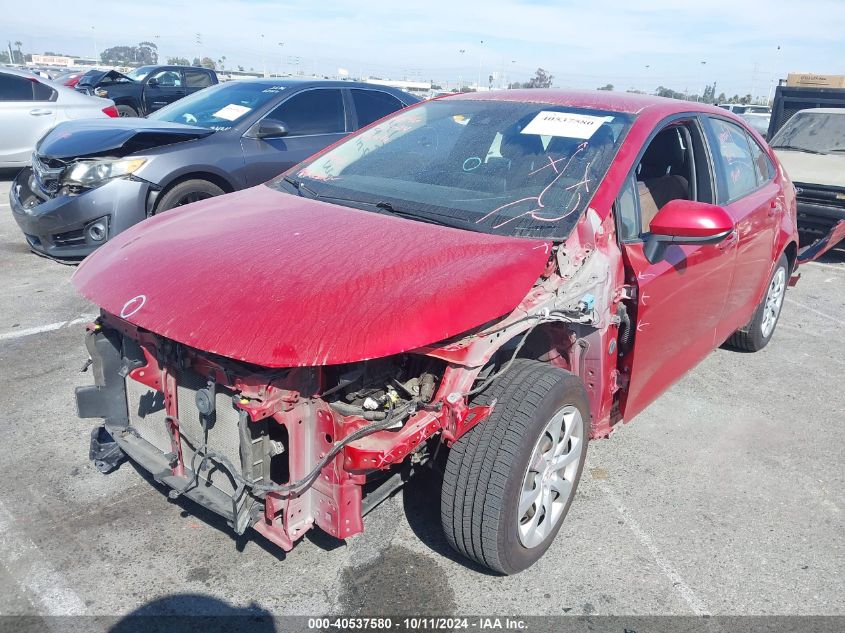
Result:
pixel 742 45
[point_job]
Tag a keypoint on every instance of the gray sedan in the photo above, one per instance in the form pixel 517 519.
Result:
pixel 91 180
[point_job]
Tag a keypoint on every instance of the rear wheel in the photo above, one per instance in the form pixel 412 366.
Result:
pixel 509 482
pixel 758 332
pixel 187 192
pixel 125 110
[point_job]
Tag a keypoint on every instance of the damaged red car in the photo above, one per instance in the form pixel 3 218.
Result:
pixel 485 282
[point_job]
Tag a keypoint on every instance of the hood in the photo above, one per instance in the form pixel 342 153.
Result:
pixel 113 137
pixel 813 169
pixel 94 78
pixel 282 281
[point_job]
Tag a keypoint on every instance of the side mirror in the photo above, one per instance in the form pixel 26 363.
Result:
pixel 268 128
pixel 687 222
pixel 152 82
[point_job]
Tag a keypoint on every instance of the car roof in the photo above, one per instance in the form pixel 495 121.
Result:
pixel 19 72
pixel 623 102
pixel 823 110
pixel 292 82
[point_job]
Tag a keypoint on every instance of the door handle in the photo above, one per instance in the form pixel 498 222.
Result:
pixel 774 208
pixel 40 112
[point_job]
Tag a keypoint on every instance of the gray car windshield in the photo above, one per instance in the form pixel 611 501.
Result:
pixel 813 132
pixel 520 169
pixel 219 107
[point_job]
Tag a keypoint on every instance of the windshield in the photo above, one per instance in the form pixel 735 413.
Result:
pixel 219 107
pixel 501 167
pixel 139 73
pixel 818 132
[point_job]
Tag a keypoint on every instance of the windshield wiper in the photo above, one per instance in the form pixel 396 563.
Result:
pixel 415 215
pixel 300 186
pixel 836 149
pixel 795 148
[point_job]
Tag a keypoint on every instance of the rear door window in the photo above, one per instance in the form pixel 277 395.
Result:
pixel 372 105
pixel 43 92
pixel 197 79
pixel 737 174
pixel 13 88
pixel 317 111
pixel 763 167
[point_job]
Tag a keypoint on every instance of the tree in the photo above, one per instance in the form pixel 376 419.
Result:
pixel 709 95
pixel 123 55
pixel 608 87
pixel 722 97
pixel 178 61
pixel 669 93
pixel 17 54
pixel 207 62
pixel 241 68
pixel 147 53
pixel 745 100
pixel 196 62
pixel 4 58
pixel 541 79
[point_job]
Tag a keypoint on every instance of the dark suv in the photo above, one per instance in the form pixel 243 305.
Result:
pixel 148 88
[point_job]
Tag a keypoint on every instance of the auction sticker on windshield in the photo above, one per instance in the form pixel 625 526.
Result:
pixel 548 123
pixel 231 112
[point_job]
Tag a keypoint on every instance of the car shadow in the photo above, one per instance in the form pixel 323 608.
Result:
pixel 194 612
pixel 421 503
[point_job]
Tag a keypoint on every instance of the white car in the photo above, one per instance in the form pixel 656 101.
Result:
pixel 31 105
pixel 757 116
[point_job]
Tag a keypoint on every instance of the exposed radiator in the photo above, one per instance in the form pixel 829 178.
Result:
pixel 147 417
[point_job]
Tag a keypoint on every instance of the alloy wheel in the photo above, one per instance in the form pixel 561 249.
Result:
pixel 549 480
pixel 773 302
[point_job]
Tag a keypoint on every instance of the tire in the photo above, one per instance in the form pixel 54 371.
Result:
pixel 487 472
pixel 187 192
pixel 125 110
pixel 755 335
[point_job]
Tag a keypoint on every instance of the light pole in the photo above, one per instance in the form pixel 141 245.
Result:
pixel 263 58
pixel 198 41
pixel 281 58
pixel 96 49
pixel 480 52
pixel 460 72
pixel 158 50
pixel 704 77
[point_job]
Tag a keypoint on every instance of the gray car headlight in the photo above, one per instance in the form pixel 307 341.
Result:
pixel 94 173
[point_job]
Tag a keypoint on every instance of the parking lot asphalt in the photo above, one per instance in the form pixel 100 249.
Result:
pixel 726 496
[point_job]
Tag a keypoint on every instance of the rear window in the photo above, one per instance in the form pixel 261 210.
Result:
pixel 372 105
pixel 197 79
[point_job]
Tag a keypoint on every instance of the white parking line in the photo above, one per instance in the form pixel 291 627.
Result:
pixel 839 269
pixel 24 563
pixel 804 306
pixel 39 329
pixel 680 585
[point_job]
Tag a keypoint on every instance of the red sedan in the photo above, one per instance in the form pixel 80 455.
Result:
pixel 481 283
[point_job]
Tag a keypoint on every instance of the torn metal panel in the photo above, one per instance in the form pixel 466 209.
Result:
pixel 821 246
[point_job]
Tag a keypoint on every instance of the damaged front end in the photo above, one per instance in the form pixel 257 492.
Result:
pixel 285 449
pixel 257 446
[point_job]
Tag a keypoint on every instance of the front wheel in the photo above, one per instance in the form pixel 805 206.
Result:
pixel 126 111
pixel 187 192
pixel 758 332
pixel 509 482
